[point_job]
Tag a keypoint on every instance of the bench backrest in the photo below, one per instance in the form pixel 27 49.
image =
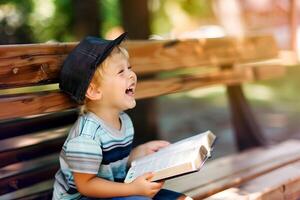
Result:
pixel 173 66
pixel 34 114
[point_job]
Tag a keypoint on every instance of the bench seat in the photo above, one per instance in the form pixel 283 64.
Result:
pixel 279 184
pixel 231 171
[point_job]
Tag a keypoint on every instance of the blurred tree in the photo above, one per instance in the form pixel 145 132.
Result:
pixel 135 18
pixel 86 18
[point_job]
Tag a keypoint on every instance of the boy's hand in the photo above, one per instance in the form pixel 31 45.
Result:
pixel 145 187
pixel 153 146
pixel 147 148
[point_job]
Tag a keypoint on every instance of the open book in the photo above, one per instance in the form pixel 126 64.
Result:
pixel 185 156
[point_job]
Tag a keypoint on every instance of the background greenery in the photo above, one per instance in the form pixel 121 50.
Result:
pixel 47 20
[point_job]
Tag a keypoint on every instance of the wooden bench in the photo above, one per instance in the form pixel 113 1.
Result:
pixel 35 115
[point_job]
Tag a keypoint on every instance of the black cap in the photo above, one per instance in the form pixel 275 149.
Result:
pixel 79 67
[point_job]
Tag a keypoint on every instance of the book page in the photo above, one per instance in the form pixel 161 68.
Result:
pixel 163 154
pixel 205 139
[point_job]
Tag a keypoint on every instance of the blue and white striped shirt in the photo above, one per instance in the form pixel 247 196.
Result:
pixel 93 147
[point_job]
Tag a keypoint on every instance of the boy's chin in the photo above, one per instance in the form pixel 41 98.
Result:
pixel 131 106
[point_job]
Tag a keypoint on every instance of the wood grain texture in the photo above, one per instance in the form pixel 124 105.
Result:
pixel 34 64
pixel 14 106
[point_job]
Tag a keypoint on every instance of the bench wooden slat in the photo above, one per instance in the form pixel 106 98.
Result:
pixel 29 146
pixel 268 69
pixel 280 184
pixel 160 87
pixel 233 170
pixel 263 72
pixel 37 191
pixel 14 106
pixel 18 175
pixel 31 139
pixel 38 70
pixel 25 65
pixel 27 166
pixel 157 56
pixel 36 123
pixel 24 51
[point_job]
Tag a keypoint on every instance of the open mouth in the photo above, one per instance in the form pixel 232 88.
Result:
pixel 130 90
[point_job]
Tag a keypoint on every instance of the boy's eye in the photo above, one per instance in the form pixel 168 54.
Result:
pixel 121 71
pixel 129 67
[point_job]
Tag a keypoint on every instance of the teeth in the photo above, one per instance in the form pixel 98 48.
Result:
pixel 130 89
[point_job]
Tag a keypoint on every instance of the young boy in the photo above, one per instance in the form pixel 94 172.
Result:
pixel 95 156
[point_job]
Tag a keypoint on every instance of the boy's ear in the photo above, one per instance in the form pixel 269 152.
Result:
pixel 93 92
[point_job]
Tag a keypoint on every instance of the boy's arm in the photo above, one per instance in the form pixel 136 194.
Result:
pixel 146 148
pixel 92 186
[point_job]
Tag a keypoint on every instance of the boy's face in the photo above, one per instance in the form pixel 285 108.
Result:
pixel 118 83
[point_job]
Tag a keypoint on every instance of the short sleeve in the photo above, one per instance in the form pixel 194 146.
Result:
pixel 83 154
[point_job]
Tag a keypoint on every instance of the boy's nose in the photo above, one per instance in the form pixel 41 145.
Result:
pixel 133 76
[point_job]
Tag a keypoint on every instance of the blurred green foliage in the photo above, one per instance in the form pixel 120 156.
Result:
pixel 57 26
pixel 110 13
pixel 283 89
pixel 160 11
pixel 14 18
pixel 38 21
pixel 52 20
pixel 197 8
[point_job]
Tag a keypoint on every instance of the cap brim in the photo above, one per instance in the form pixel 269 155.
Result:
pixel 119 39
pixel 111 46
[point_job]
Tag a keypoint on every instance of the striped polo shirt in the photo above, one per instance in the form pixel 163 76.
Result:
pixel 93 147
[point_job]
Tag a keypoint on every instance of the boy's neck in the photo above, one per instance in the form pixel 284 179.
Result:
pixel 109 116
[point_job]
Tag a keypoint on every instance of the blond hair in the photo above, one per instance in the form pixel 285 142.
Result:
pixel 99 73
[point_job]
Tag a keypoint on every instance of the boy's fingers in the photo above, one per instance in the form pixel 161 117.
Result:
pixel 148 175
pixel 164 142
pixel 161 143
pixel 156 185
